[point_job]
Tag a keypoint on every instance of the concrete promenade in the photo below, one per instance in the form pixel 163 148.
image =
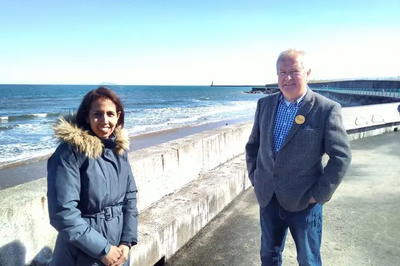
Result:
pixel 361 222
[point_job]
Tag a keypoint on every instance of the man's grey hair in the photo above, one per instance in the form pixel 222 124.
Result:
pixel 292 53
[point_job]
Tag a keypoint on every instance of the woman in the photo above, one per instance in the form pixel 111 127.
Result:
pixel 91 189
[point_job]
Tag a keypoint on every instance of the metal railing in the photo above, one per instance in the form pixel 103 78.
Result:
pixel 393 93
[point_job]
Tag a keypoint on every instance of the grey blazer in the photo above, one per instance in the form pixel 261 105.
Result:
pixel 296 173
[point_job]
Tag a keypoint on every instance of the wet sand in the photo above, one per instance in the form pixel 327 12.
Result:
pixel 19 173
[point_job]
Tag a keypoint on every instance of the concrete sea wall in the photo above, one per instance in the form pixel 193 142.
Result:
pixel 182 185
pixel 159 171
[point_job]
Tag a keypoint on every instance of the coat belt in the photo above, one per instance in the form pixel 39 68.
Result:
pixel 108 213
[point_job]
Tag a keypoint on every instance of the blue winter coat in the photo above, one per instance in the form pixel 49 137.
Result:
pixel 91 195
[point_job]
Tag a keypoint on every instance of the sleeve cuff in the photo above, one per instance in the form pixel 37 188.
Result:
pixel 126 244
pixel 105 251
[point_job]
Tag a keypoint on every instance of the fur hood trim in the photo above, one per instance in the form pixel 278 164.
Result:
pixel 67 131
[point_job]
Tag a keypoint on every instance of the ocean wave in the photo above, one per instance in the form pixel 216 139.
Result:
pixel 22 152
pixel 29 135
pixel 176 117
pixel 142 129
pixel 183 120
pixel 7 127
pixel 200 99
pixel 29 116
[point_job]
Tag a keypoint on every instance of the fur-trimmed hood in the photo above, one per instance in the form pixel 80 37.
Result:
pixel 67 131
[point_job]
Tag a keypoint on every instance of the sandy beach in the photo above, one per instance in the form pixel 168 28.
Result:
pixel 19 173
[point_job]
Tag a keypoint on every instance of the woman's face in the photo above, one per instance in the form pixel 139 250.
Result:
pixel 103 117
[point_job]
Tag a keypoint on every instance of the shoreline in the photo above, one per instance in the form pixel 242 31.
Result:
pixel 28 170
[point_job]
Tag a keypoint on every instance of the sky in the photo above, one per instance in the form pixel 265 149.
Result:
pixel 190 42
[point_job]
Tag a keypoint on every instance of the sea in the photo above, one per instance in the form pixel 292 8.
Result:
pixel 28 112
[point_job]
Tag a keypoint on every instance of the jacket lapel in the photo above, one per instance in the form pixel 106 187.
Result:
pixel 304 109
pixel 272 110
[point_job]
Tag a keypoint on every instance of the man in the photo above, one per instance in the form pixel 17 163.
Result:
pixel 292 130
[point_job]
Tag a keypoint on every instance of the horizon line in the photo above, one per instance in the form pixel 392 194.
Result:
pixel 205 85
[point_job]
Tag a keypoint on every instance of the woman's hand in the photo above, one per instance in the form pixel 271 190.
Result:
pixel 124 255
pixel 112 256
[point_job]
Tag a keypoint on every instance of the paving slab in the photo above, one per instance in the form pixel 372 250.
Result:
pixel 361 222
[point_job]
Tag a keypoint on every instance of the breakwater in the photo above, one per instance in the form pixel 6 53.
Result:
pixel 354 84
pixel 363 84
pixel 346 99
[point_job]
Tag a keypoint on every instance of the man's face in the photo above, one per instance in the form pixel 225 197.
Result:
pixel 292 77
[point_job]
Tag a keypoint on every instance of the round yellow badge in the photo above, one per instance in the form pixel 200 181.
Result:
pixel 300 119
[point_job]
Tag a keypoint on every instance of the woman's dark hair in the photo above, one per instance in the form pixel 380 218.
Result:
pixel 104 93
